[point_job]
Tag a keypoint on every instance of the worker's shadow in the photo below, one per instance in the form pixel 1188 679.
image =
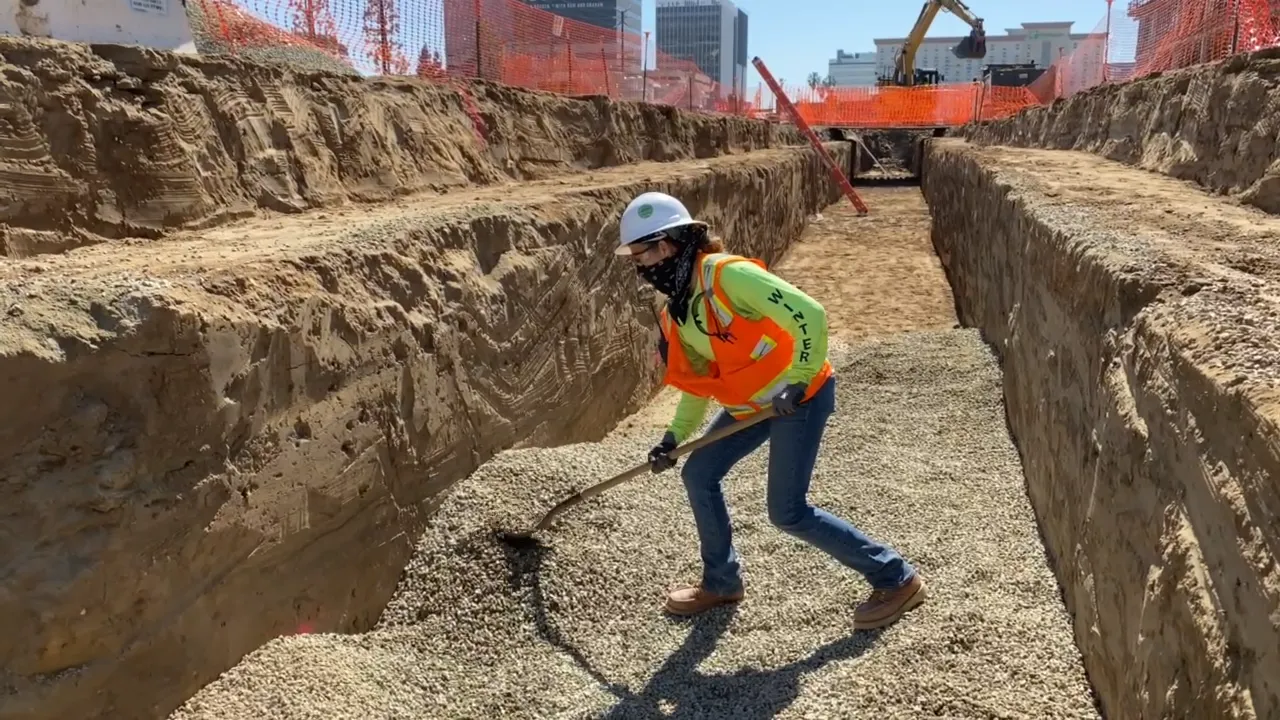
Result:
pixel 678 689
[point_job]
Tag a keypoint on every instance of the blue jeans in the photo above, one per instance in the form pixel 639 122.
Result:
pixel 793 450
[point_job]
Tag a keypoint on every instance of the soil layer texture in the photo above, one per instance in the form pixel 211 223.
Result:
pixel 108 142
pixel 1138 322
pixel 239 432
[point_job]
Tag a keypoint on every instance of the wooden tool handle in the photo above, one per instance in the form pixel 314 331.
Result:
pixel 722 433
pixel 638 470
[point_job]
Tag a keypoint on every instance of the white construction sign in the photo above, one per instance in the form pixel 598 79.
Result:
pixel 159 24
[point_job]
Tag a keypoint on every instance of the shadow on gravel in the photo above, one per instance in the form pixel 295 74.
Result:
pixel 678 689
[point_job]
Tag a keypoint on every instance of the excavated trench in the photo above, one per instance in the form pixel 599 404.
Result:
pixel 237 408
pixel 1136 311
pixel 1137 319
pixel 241 368
pixel 918 454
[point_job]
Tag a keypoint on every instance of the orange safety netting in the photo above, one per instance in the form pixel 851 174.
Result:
pixel 1150 36
pixel 508 41
pixel 513 44
pixel 899 107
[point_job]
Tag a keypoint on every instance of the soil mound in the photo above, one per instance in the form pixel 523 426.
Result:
pixel 106 142
pixel 1205 124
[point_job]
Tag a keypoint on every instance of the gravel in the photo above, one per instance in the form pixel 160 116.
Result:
pixel 302 59
pixel 917 454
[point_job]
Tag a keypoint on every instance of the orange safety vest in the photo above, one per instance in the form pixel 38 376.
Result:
pixel 746 370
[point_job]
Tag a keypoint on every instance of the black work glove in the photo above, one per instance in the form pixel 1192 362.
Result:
pixel 786 402
pixel 659 459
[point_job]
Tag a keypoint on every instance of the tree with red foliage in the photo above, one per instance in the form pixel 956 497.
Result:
pixel 313 23
pixel 312 19
pixel 430 65
pixel 381 25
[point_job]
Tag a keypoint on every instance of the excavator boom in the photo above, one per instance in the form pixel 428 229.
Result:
pixel 974 46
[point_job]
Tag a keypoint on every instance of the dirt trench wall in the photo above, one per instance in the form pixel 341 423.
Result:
pixel 105 141
pixel 1203 124
pixel 213 440
pixel 1148 431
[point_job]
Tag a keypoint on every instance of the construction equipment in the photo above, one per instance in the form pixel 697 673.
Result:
pixel 972 47
pixel 1011 74
pixel 523 538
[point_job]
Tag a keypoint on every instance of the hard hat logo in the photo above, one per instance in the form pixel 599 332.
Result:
pixel 645 212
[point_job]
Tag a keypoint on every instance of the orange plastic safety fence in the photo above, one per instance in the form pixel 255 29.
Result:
pixel 1133 40
pixel 1178 33
pixel 888 106
pixel 510 42
pixel 505 41
pixel 1149 36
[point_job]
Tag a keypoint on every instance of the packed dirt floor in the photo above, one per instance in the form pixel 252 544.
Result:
pixel 875 275
pixel 917 454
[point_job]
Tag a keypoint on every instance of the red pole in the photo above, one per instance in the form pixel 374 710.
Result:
pixel 384 41
pixel 1106 47
pixel 836 173
pixel 604 66
pixel 479 64
pixel 568 53
pixel 644 70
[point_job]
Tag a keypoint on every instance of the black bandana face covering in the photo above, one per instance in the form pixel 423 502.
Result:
pixel 673 277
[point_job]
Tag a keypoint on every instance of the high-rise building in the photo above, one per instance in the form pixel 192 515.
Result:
pixel 853 69
pixel 740 53
pixel 712 34
pixel 618 15
pixel 480 33
pixel 1040 42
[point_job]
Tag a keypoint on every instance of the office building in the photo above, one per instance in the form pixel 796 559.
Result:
pixel 472 49
pixel 1040 42
pixel 853 69
pixel 616 15
pixel 711 34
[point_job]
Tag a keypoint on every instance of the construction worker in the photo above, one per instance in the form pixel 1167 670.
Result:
pixel 736 333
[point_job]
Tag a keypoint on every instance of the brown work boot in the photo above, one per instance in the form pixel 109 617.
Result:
pixel 884 607
pixel 685 601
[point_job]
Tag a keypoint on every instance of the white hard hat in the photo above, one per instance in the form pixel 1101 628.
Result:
pixel 649 214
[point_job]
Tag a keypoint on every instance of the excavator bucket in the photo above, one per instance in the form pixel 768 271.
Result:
pixel 973 47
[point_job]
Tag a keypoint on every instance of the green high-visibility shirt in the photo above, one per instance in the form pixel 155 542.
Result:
pixel 753 293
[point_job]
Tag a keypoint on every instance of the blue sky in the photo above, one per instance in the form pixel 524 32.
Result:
pixel 797 37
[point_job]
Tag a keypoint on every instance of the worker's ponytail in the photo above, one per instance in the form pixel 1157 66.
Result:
pixel 702 238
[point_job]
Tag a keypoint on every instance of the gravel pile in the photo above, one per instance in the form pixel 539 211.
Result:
pixel 303 59
pixel 917 453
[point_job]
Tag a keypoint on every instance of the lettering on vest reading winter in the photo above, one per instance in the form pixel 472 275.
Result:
pixel 775 297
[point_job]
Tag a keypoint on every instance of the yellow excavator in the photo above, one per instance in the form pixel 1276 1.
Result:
pixel 974 46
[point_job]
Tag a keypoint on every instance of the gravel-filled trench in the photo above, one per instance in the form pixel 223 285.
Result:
pixel 917 453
